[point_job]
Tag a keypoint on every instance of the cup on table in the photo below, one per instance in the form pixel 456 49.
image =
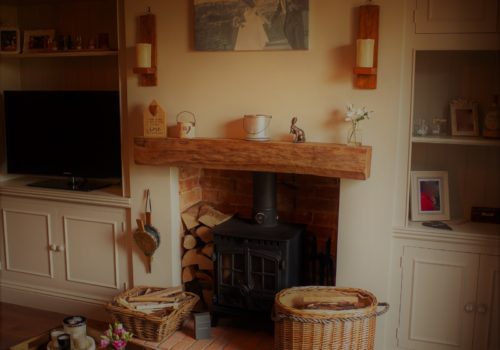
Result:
pixel 53 337
pixel 64 341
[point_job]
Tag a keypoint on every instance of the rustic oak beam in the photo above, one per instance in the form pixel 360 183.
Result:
pixel 313 158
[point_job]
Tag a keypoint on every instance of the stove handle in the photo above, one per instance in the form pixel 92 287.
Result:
pixel 244 290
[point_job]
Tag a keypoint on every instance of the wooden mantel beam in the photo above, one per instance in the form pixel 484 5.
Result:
pixel 313 158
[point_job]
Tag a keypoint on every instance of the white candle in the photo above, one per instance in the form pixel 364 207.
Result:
pixel 143 55
pixel 364 53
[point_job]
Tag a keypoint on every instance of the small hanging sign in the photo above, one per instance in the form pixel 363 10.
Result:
pixel 155 121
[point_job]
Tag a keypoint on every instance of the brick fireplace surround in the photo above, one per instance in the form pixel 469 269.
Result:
pixel 302 199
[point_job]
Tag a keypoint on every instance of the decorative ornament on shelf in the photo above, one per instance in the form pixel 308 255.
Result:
pixel 155 120
pixel 116 337
pixel 355 115
pixel 299 135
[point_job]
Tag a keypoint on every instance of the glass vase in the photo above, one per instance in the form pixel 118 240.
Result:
pixel 354 135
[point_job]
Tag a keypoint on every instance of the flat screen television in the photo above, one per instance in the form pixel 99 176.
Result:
pixel 75 134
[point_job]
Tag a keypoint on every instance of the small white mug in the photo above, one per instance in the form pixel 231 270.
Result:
pixel 53 336
pixel 186 130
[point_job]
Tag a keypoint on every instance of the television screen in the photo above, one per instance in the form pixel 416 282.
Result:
pixel 70 133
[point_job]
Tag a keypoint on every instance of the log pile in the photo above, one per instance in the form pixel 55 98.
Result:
pixel 198 243
pixel 155 302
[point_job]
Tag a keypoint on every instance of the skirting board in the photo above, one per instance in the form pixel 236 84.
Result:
pixel 92 309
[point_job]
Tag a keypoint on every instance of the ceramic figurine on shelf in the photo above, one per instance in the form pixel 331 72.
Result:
pixel 298 133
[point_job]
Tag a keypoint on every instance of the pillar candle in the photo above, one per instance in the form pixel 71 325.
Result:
pixel 143 55
pixel 364 53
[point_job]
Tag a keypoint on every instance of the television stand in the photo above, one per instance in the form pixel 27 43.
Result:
pixel 72 184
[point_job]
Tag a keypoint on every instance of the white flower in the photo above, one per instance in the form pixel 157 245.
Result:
pixel 355 115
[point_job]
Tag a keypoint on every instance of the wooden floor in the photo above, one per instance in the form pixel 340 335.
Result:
pixel 18 323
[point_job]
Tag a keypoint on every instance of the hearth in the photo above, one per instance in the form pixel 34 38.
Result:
pixel 254 259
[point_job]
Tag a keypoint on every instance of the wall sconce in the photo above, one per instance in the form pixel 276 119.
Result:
pixel 367 47
pixel 146 51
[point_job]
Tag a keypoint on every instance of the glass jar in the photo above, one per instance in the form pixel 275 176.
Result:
pixel 354 135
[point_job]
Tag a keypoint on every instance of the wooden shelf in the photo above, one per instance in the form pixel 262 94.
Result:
pixel 455 140
pixel 461 226
pixel 313 158
pixel 55 54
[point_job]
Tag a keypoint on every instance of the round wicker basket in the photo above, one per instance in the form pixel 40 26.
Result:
pixel 297 328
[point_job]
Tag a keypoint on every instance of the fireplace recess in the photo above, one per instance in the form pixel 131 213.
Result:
pixel 254 259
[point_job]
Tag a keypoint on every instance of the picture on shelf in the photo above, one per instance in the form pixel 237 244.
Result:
pixel 429 195
pixel 38 40
pixel 9 40
pixel 464 118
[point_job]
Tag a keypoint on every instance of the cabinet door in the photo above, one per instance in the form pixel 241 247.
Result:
pixel 487 330
pixel 437 299
pixel 456 16
pixel 27 234
pixel 94 254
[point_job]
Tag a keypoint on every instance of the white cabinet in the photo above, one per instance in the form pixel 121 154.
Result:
pixel 69 250
pixel 487 327
pixel 449 300
pixel 456 16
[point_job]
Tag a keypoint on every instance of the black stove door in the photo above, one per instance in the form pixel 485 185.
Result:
pixel 248 278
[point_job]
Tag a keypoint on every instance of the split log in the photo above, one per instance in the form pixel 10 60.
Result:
pixel 211 217
pixel 205 234
pixel 189 242
pixel 189 219
pixel 352 299
pixel 208 250
pixel 203 276
pixel 188 274
pixel 193 257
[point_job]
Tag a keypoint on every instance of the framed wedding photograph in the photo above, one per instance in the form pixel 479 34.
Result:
pixel 429 196
pixel 38 40
pixel 464 118
pixel 9 40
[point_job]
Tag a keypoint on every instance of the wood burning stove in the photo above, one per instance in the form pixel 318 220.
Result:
pixel 254 259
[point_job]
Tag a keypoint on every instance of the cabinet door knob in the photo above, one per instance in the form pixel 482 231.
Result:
pixel 53 247
pixel 469 307
pixel 481 308
pixel 60 248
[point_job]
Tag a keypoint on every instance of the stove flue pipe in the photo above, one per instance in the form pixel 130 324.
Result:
pixel 264 210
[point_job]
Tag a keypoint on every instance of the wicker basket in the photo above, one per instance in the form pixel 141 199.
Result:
pixel 300 329
pixel 150 327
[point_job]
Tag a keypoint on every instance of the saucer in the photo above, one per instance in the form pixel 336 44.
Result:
pixel 90 340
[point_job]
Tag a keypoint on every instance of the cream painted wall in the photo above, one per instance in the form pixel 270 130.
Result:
pixel 315 85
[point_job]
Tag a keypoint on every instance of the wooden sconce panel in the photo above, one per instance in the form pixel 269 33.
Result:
pixel 147 34
pixel 366 78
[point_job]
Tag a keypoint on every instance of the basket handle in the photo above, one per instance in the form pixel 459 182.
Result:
pixel 385 308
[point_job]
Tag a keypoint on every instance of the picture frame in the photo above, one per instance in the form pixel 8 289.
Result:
pixel 464 118
pixel 38 40
pixel 429 196
pixel 10 40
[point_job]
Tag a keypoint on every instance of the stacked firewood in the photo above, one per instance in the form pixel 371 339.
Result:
pixel 154 302
pixel 198 244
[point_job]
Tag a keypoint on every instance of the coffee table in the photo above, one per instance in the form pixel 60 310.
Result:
pixel 40 341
